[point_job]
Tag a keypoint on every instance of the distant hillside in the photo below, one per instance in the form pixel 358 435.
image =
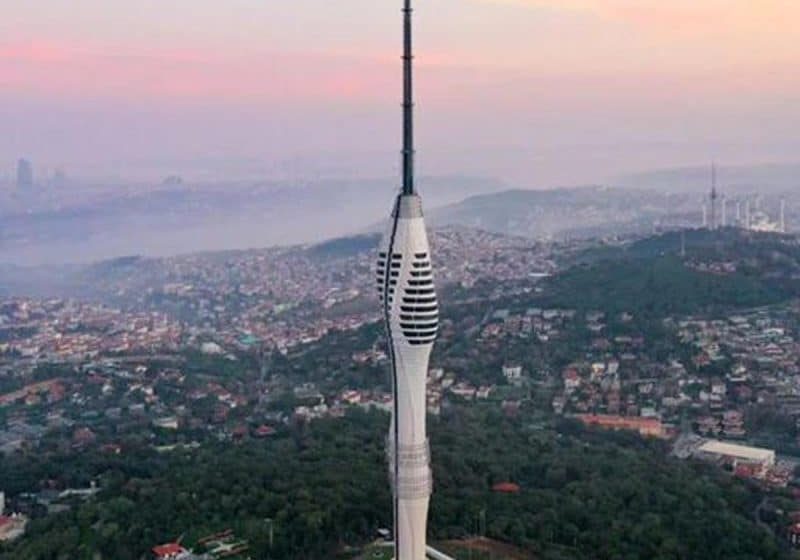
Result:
pixel 572 212
pixel 117 264
pixel 730 244
pixel 761 178
pixel 721 270
pixel 176 219
pixel 345 246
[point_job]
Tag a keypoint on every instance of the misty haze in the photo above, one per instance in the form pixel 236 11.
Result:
pixel 270 136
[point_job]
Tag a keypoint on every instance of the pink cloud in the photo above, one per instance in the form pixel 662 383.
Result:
pixel 70 70
pixel 34 52
pixel 446 79
pixel 677 17
pixel 127 73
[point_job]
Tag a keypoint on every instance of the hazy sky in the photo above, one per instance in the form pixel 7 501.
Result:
pixel 535 91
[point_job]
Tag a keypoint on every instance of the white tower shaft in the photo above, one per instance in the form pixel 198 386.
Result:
pixel 411 316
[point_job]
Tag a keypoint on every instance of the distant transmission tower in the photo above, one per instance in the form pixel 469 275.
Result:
pixel 783 216
pixel 747 214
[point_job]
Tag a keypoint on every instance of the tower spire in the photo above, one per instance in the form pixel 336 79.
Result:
pixel 408 102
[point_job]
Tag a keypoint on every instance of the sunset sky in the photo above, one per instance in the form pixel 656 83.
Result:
pixel 537 92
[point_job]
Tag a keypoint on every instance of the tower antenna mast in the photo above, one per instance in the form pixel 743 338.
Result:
pixel 408 102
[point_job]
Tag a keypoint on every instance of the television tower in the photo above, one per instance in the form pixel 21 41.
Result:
pixel 411 317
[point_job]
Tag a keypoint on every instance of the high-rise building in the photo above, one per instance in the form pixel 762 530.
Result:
pixel 59 178
pixel 747 214
pixel 724 202
pixel 411 315
pixel 24 174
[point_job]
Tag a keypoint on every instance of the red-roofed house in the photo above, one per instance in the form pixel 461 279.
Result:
pixel 747 470
pixel 572 380
pixel 794 535
pixel 12 527
pixel 169 551
pixel 506 488
pixel 264 431
pixel 645 426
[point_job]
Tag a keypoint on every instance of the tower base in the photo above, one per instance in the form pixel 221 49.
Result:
pixel 430 554
pixel 434 554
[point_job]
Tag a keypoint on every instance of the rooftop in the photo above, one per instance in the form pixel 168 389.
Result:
pixel 739 451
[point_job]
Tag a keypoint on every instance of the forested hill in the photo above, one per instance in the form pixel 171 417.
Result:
pixel 727 243
pixel 584 212
pixel 682 273
pixel 584 495
pixel 657 287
